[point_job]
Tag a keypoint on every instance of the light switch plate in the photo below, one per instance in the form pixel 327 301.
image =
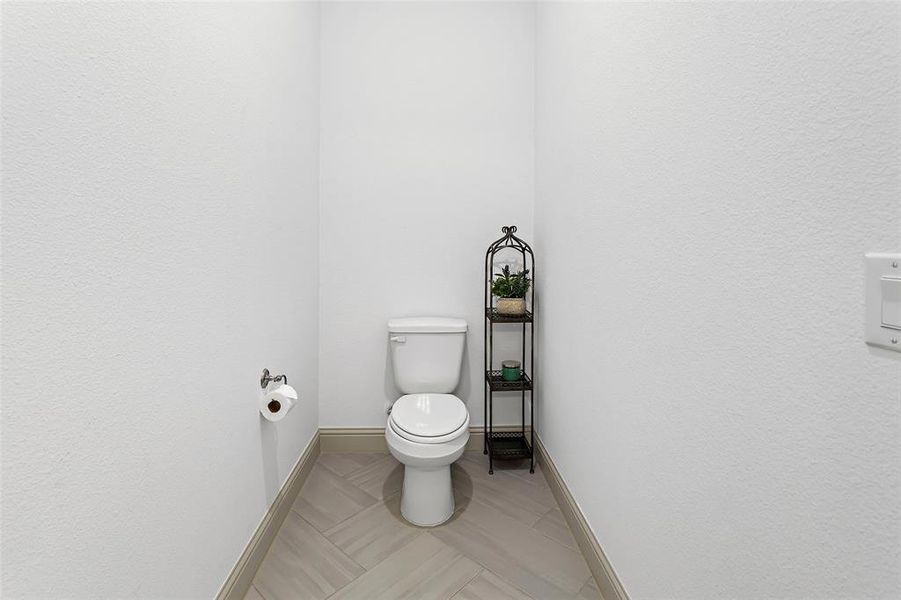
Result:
pixel 883 271
pixel 891 302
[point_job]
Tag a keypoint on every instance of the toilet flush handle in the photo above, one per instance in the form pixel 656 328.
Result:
pixel 399 339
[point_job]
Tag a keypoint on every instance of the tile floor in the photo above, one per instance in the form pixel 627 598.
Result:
pixel 345 538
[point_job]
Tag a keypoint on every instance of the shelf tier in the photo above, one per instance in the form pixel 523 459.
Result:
pixel 492 315
pixel 497 383
pixel 508 445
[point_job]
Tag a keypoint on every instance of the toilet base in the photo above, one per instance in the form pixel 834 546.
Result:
pixel 427 498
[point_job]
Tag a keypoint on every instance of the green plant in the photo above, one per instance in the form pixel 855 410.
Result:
pixel 510 285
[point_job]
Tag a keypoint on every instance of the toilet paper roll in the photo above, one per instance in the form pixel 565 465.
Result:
pixel 278 402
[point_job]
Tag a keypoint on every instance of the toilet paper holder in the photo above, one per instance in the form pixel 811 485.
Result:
pixel 266 378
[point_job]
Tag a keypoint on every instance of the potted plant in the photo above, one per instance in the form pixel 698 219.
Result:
pixel 510 289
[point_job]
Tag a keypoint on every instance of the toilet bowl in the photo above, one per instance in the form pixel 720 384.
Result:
pixel 428 427
pixel 427 433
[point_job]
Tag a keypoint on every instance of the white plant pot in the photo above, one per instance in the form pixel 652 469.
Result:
pixel 511 306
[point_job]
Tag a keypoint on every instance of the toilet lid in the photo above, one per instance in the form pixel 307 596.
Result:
pixel 429 415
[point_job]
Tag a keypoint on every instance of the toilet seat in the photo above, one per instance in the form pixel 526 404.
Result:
pixel 429 418
pixel 429 440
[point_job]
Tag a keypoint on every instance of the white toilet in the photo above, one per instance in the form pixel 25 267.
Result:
pixel 428 427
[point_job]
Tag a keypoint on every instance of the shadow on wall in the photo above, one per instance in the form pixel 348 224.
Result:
pixel 391 391
pixel 883 353
pixel 536 366
pixel 464 387
pixel 268 447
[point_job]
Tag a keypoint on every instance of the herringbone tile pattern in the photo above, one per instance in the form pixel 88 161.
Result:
pixel 345 538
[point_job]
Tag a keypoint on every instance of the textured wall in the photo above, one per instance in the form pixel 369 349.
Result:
pixel 426 152
pixel 709 177
pixel 159 248
pixel 708 180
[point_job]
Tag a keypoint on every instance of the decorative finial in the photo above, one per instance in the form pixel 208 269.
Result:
pixel 509 230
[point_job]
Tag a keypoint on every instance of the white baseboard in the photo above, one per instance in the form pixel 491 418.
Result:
pixel 352 439
pixel 608 583
pixel 238 582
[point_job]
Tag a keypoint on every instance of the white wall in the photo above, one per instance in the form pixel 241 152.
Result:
pixel 426 151
pixel 709 177
pixel 160 248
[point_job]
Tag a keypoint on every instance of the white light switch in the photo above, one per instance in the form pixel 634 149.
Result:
pixel 891 302
pixel 883 298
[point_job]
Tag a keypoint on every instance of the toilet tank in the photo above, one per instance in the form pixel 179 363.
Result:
pixel 426 353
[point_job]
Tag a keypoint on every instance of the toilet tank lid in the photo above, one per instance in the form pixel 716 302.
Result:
pixel 426 325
